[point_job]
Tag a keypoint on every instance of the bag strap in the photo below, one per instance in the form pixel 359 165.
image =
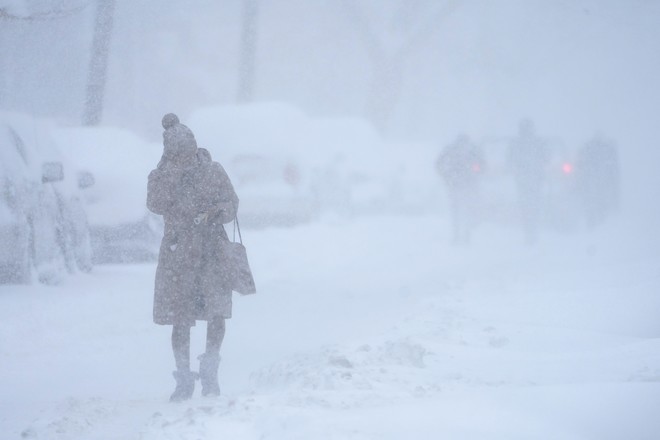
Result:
pixel 237 227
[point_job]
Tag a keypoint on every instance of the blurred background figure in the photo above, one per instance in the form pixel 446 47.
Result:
pixel 528 158
pixel 598 179
pixel 460 165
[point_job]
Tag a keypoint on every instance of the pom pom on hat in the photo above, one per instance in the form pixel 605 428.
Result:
pixel 177 138
pixel 169 120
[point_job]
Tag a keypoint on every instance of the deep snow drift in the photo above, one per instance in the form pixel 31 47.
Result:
pixel 363 328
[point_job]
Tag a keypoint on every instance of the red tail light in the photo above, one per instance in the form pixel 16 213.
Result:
pixel 567 168
pixel 476 167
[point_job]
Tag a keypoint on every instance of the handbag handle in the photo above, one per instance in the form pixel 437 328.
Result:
pixel 237 227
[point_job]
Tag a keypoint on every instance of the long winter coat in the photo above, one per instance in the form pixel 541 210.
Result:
pixel 192 278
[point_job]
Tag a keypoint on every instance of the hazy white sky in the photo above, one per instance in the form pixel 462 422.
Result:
pixel 576 66
pixel 478 67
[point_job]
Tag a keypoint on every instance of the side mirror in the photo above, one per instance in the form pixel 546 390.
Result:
pixel 85 179
pixel 52 172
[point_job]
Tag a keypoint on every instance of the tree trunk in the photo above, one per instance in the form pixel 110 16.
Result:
pixel 98 65
pixel 248 51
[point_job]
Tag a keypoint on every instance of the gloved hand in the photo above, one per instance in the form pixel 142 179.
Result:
pixel 201 218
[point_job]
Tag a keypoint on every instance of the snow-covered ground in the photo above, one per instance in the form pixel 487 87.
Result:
pixel 373 328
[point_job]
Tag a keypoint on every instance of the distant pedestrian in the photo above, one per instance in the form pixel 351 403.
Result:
pixel 195 197
pixel 461 164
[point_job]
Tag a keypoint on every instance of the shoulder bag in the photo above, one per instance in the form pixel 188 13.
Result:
pixel 242 280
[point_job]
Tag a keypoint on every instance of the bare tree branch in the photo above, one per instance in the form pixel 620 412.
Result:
pixel 374 45
pixel 371 41
pixel 54 14
pixel 430 26
pixel 388 62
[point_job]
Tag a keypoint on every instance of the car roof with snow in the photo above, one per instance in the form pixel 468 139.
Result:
pixel 27 144
pixel 120 162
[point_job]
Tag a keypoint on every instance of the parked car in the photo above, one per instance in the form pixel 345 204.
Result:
pixel 265 150
pixel 271 190
pixel 290 168
pixel 43 225
pixel 122 229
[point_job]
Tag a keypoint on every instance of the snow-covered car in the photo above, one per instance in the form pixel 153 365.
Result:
pixel 262 147
pixel 122 229
pixel 43 225
pixel 290 168
pixel 271 191
pixel 358 172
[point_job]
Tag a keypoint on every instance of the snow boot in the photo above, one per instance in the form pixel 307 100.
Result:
pixel 208 374
pixel 185 385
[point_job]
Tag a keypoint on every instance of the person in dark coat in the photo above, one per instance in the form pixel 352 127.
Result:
pixel 461 164
pixel 195 197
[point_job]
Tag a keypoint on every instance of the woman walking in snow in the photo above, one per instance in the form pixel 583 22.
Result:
pixel 195 197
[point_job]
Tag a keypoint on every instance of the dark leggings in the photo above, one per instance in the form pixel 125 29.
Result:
pixel 215 333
